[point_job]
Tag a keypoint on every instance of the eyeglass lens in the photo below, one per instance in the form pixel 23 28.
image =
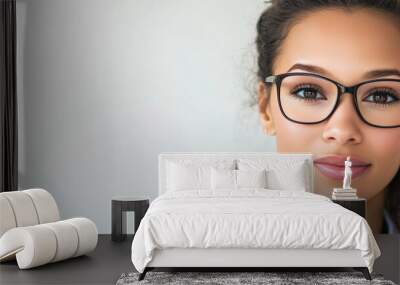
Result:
pixel 310 99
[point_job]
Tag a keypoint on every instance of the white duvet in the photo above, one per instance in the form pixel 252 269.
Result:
pixel 251 218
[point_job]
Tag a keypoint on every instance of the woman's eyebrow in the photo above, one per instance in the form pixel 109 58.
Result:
pixel 382 73
pixel 310 68
pixel 368 75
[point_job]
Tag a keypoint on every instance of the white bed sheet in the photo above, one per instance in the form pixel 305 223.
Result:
pixel 250 218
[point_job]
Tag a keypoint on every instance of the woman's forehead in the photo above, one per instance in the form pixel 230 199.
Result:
pixel 345 44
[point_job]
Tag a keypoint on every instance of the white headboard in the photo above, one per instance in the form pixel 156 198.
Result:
pixel 165 156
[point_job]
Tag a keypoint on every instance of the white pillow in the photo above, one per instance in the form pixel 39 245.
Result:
pixel 237 179
pixel 223 178
pixel 281 179
pixel 185 174
pixel 251 178
pixel 184 177
pixel 282 173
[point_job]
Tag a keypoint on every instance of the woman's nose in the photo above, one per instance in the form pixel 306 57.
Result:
pixel 343 127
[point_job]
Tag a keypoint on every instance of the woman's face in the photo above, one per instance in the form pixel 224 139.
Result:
pixel 345 46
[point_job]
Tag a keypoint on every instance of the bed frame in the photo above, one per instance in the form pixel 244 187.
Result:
pixel 248 259
pixel 234 259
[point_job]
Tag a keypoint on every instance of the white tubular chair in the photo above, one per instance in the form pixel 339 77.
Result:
pixel 32 233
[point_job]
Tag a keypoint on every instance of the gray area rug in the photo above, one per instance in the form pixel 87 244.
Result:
pixel 275 278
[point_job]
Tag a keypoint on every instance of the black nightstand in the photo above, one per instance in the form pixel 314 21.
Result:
pixel 357 205
pixel 119 207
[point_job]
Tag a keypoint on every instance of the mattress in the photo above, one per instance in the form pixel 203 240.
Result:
pixel 250 218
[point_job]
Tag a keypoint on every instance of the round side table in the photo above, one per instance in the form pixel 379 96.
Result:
pixel 119 206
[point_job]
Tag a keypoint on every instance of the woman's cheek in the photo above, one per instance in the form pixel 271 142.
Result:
pixel 292 137
pixel 385 154
pixel 381 147
pixel 386 142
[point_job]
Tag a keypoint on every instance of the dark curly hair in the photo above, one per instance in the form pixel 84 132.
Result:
pixel 272 28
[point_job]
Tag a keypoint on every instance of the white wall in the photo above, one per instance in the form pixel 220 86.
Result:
pixel 105 86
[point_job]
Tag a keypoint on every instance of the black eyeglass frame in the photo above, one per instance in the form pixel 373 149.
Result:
pixel 277 79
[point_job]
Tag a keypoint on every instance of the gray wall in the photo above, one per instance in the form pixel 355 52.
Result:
pixel 105 86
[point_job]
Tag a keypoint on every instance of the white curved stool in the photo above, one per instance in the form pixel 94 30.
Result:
pixel 32 233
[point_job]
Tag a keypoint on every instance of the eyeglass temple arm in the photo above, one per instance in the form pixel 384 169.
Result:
pixel 270 79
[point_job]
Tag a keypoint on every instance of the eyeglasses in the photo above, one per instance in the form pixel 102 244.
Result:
pixel 308 98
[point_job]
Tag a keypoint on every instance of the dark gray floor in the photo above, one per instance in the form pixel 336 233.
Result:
pixel 389 262
pixel 111 259
pixel 103 266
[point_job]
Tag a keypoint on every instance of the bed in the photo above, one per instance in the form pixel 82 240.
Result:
pixel 247 210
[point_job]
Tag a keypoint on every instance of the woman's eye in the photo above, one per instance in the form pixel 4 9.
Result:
pixel 308 93
pixel 381 97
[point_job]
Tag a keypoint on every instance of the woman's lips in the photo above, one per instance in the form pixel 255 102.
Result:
pixel 333 166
